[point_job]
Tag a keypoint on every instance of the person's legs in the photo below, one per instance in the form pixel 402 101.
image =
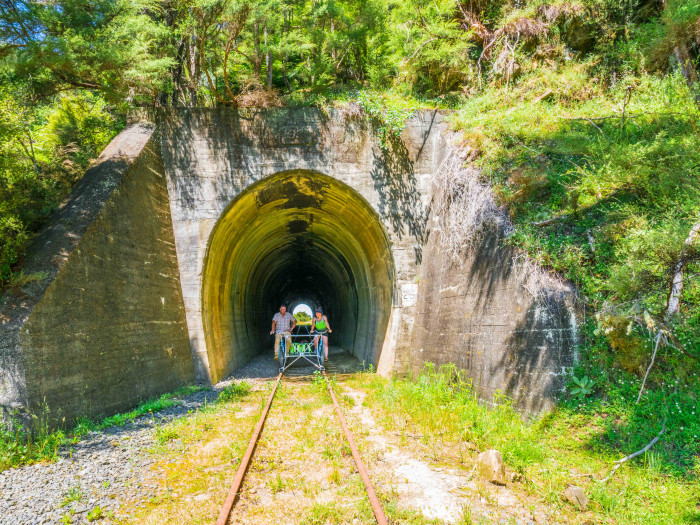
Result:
pixel 325 345
pixel 316 341
pixel 287 342
pixel 277 345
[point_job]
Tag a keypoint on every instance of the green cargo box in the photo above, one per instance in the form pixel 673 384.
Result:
pixel 300 348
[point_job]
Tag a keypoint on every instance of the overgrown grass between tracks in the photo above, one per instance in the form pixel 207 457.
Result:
pixel 301 472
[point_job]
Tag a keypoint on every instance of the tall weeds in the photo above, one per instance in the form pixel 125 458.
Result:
pixel 442 404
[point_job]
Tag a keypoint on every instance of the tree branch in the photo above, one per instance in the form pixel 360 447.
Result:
pixel 564 216
pixel 75 83
pixel 419 48
pixel 659 335
pixel 619 462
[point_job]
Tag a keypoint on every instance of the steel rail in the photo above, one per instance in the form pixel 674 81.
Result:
pixel 371 494
pixel 240 473
pixel 243 467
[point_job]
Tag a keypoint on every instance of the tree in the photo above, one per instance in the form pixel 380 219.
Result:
pixel 106 45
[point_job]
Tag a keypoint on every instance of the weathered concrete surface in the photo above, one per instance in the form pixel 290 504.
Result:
pixel 50 251
pixel 508 330
pixel 106 327
pixel 212 155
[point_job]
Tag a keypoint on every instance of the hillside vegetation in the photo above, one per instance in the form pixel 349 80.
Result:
pixel 582 115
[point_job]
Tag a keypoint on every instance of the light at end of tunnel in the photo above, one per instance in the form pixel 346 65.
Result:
pixel 302 308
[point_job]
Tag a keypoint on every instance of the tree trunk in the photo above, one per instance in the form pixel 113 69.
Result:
pixel 334 53
pixel 194 72
pixel 674 297
pixel 687 68
pixel 177 73
pixel 256 57
pixel 285 32
pixel 268 61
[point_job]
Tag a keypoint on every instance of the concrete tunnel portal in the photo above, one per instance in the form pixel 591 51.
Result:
pixel 194 227
pixel 295 237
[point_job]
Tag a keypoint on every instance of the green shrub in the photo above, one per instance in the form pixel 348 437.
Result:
pixel 234 392
pixel 44 149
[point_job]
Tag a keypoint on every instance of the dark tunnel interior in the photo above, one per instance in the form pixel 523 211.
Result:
pixel 295 237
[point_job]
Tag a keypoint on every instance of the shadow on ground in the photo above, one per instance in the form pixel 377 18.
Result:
pixel 264 366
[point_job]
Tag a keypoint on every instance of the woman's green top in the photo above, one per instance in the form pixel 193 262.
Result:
pixel 320 325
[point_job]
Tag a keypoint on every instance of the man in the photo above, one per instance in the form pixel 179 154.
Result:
pixel 282 324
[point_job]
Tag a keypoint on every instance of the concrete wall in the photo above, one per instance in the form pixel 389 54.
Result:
pixel 509 330
pixel 119 316
pixel 212 155
pixel 106 327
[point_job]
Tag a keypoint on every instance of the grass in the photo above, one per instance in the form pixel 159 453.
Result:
pixel 234 392
pixel 95 514
pixel 73 494
pixel 19 447
pixel 563 447
pixel 302 470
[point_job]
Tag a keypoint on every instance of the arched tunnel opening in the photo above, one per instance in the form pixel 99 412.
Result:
pixel 295 237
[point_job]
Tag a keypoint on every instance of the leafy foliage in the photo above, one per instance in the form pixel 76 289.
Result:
pixel 302 318
pixel 584 386
pixel 44 149
pixel 582 115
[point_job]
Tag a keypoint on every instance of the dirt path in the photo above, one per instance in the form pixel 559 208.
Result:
pixel 448 493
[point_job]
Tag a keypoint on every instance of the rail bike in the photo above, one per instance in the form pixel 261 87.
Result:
pixel 304 347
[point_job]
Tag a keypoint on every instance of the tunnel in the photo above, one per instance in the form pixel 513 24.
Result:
pixel 295 237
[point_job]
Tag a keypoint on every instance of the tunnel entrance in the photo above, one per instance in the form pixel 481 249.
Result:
pixel 295 237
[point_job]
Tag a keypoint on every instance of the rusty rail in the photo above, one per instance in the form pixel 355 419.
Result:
pixel 243 467
pixel 371 494
pixel 240 473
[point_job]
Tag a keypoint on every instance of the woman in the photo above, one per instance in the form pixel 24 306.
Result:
pixel 320 325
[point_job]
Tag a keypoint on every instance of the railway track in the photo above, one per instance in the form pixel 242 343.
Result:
pixel 235 489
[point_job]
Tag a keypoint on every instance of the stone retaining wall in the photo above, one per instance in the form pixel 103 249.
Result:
pixel 105 328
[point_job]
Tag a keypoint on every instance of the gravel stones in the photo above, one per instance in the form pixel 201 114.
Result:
pixel 110 469
pixel 107 469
